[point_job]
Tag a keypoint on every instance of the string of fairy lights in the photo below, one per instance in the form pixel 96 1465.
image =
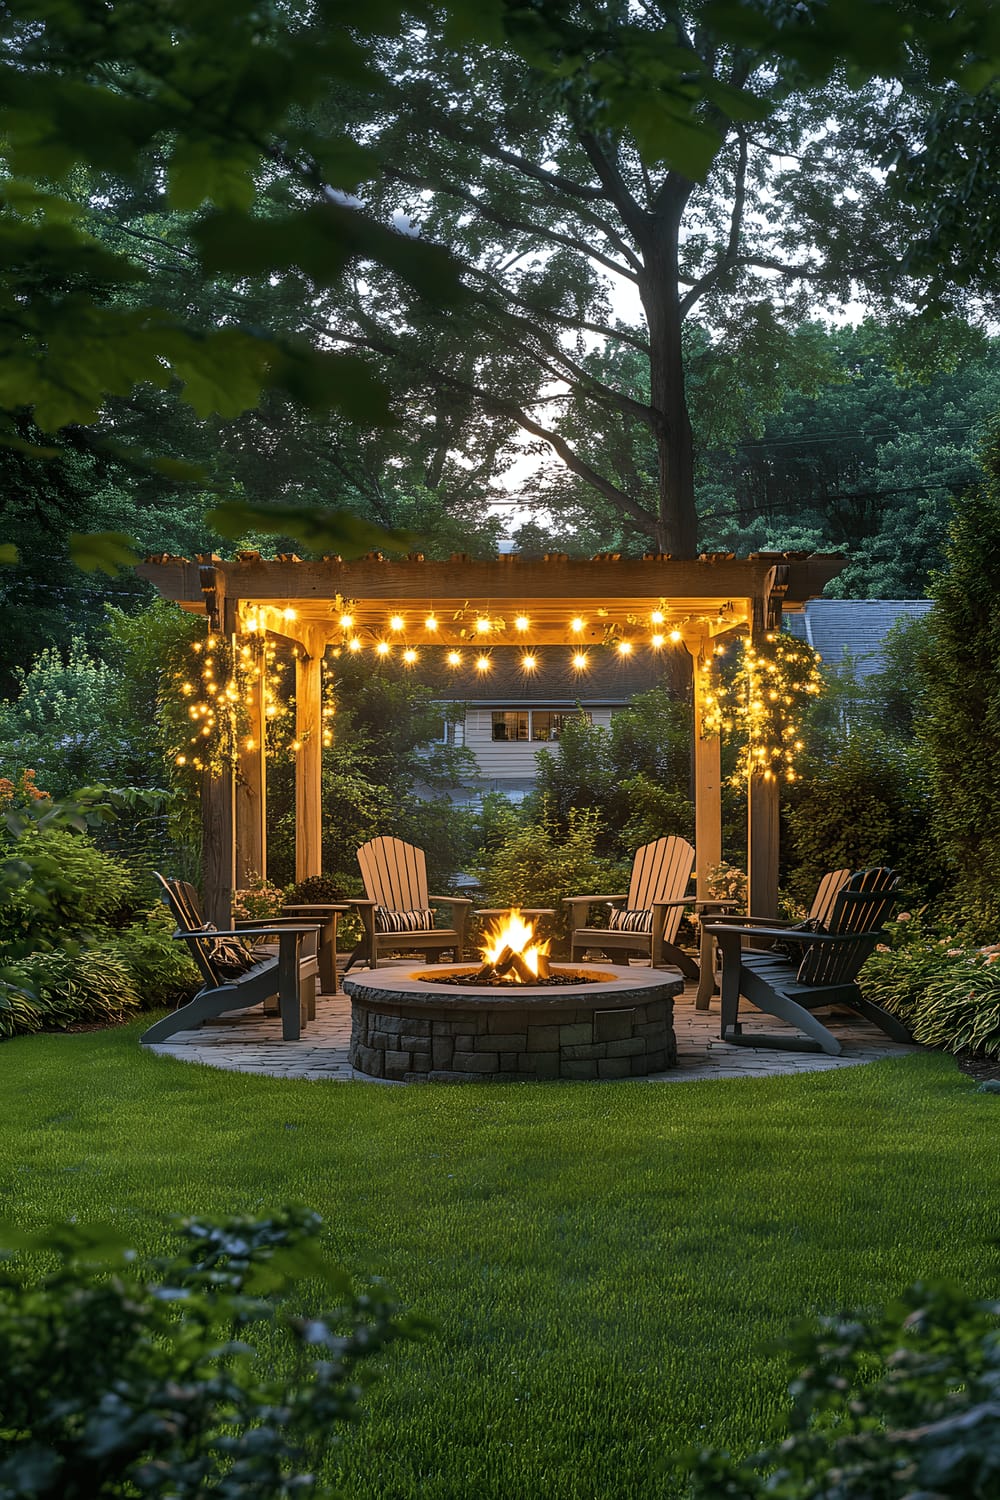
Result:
pixel 763 702
pixel 232 691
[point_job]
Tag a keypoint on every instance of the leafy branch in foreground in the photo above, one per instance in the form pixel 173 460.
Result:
pixel 129 1376
pixel 903 1405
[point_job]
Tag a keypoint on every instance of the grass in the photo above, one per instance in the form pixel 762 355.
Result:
pixel 607 1265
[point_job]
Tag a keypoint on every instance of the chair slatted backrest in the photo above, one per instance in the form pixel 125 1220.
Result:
pixel 660 872
pixel 182 901
pixel 395 874
pixel 861 906
pixel 826 894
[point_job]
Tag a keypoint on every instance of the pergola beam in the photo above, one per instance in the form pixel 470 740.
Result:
pixel 304 602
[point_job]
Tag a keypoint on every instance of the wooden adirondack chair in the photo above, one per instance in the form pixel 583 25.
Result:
pixel 397 912
pixel 236 977
pixel 645 922
pixel 824 972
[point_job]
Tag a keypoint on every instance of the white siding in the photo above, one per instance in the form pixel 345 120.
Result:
pixel 499 759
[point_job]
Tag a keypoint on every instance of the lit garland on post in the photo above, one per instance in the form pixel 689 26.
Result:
pixel 209 710
pixel 763 703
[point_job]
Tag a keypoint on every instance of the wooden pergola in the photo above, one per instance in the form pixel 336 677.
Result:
pixel 386 606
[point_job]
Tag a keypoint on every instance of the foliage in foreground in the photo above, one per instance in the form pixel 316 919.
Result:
pixel 186 1377
pixel 901 1405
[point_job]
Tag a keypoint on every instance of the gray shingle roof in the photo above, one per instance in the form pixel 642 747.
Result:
pixel 855 628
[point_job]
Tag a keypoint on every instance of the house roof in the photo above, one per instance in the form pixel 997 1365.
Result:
pixel 852 629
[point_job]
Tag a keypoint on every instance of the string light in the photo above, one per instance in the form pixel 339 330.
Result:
pixel 454 658
pixel 431 623
pixel 346 622
pixel 521 622
pixel 676 636
pixel 396 623
pixel 657 617
pixel 580 661
pixel 764 702
pixel 409 656
pixel 286 614
pixel 383 648
pixel 482 664
pixel 354 644
pixel 624 648
pixel 656 642
pixel 483 626
pixel 577 625
pixel 529 663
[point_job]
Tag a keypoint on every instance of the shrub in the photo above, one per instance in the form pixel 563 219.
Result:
pixel 884 1407
pixel 869 804
pixel 121 1375
pixel 258 902
pixel 67 887
pixel 541 864
pixel 64 989
pixel 160 968
pixel 315 890
pixel 947 992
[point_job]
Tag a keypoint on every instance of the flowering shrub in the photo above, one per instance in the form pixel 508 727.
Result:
pixel 945 989
pixel 258 902
pixel 21 793
pixel 727 883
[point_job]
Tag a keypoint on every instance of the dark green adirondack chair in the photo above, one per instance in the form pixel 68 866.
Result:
pixel 821 971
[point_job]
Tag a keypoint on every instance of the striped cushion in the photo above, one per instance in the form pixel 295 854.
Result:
pixel 387 920
pixel 228 955
pixel 625 919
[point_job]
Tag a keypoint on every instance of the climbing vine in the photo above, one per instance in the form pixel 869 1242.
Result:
pixel 762 701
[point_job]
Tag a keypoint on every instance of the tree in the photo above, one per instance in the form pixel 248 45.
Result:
pixel 545 198
pixel 960 726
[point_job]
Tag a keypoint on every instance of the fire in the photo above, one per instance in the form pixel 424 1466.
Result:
pixel 512 934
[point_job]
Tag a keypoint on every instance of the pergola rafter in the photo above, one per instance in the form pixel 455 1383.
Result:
pixel 377 605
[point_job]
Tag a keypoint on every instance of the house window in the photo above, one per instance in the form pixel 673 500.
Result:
pixel 510 724
pixel 547 723
pixel 542 724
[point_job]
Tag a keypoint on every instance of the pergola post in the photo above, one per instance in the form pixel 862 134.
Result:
pixel 707 769
pixel 763 797
pixel 309 756
pixel 251 785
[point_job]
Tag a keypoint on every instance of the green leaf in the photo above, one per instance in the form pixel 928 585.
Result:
pixel 323 531
pixel 106 551
pixel 8 554
pixel 206 172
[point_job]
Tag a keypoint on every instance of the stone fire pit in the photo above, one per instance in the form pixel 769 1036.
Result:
pixel 407 1028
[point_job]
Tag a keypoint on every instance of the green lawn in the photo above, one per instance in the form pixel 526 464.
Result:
pixel 606 1264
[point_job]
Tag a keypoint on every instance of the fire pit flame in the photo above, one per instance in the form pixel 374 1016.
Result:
pixel 510 953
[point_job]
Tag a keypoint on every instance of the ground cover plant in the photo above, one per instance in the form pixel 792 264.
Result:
pixel 607 1267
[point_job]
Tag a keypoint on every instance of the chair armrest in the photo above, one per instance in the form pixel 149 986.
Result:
pixel 734 930
pixel 453 900
pixel 271 930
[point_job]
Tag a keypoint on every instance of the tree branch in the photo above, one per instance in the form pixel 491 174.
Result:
pixel 728 260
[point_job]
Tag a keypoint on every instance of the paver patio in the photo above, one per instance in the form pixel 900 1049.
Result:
pixel 251 1042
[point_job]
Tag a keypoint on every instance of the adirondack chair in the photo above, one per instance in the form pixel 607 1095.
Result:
pixel 234 975
pixel 644 922
pixel 397 911
pixel 824 971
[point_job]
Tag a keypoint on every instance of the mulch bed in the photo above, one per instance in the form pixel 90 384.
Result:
pixel 979 1068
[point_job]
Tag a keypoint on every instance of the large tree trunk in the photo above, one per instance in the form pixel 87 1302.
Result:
pixel 677 521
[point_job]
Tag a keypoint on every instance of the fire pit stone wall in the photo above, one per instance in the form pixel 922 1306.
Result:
pixel 405 1029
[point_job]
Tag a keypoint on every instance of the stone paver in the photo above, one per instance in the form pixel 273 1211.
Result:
pixel 251 1043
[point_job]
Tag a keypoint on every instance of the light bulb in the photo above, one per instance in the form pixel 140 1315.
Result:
pixel 354 645
pixel 431 623
pixel 576 625
pixel 483 626
pixel 580 661
pixel 676 636
pixel 656 641
pixel 521 622
pixel 657 617
pixel 397 622
pixel 482 664
pixel 624 648
pixel 454 658
pixel 383 648
pixel 409 656
pixel 529 663
pixel 288 614
pixel 346 621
